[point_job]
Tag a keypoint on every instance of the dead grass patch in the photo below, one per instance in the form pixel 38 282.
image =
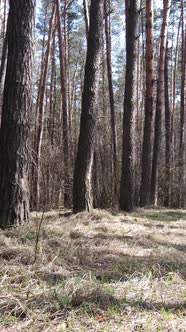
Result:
pixel 95 272
pixel 20 255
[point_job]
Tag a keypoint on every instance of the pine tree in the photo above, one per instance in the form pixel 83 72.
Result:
pixel 126 201
pixel 16 115
pixel 159 103
pixel 147 136
pixel 82 189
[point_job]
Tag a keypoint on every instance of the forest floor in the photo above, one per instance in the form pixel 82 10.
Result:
pixel 95 272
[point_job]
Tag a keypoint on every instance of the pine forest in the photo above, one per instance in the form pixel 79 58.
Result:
pixel 92 165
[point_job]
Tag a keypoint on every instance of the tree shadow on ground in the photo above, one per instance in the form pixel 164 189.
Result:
pixel 118 267
pixel 105 300
pixel 132 254
pixel 151 305
pixel 165 215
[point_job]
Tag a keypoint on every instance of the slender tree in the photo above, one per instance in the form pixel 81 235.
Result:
pixel 82 188
pixel 3 59
pixel 52 89
pixel 5 18
pixel 4 51
pixel 182 112
pixel 65 110
pixel 111 94
pixel 173 113
pixel 40 115
pixel 147 136
pixel 126 201
pixel 86 14
pixel 159 102
pixel 16 115
pixel 167 131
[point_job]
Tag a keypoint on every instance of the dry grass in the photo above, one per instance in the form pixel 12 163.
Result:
pixel 95 272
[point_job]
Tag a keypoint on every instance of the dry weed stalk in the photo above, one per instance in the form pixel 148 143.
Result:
pixel 38 233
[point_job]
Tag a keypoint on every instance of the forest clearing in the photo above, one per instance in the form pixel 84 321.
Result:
pixel 95 272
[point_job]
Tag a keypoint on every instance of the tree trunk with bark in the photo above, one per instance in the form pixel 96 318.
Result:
pixel 16 116
pixel 182 113
pixel 82 187
pixel 147 136
pixel 126 201
pixel 40 114
pixel 4 51
pixel 86 15
pixel 3 66
pixel 52 89
pixel 167 131
pixel 173 136
pixel 64 94
pixel 111 96
pixel 3 59
pixel 159 102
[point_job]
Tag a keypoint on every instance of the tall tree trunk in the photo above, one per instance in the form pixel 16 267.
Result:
pixel 41 64
pixel 167 130
pixel 147 136
pixel 126 201
pixel 82 189
pixel 40 110
pixel 182 113
pixel 173 114
pixel 3 64
pixel 159 102
pixel 16 116
pixel 5 19
pixel 64 105
pixel 111 95
pixel 0 17
pixel 52 89
pixel 3 59
pixel 86 15
pixel 68 86
pixel 4 51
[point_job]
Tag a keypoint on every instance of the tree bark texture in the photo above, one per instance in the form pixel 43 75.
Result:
pixel 16 115
pixel 159 102
pixel 82 187
pixel 182 113
pixel 173 137
pixel 40 115
pixel 126 200
pixel 147 135
pixel 3 66
pixel 64 94
pixel 167 132
pixel 86 15
pixel 111 95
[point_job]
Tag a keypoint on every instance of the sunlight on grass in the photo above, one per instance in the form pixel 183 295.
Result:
pixel 95 272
